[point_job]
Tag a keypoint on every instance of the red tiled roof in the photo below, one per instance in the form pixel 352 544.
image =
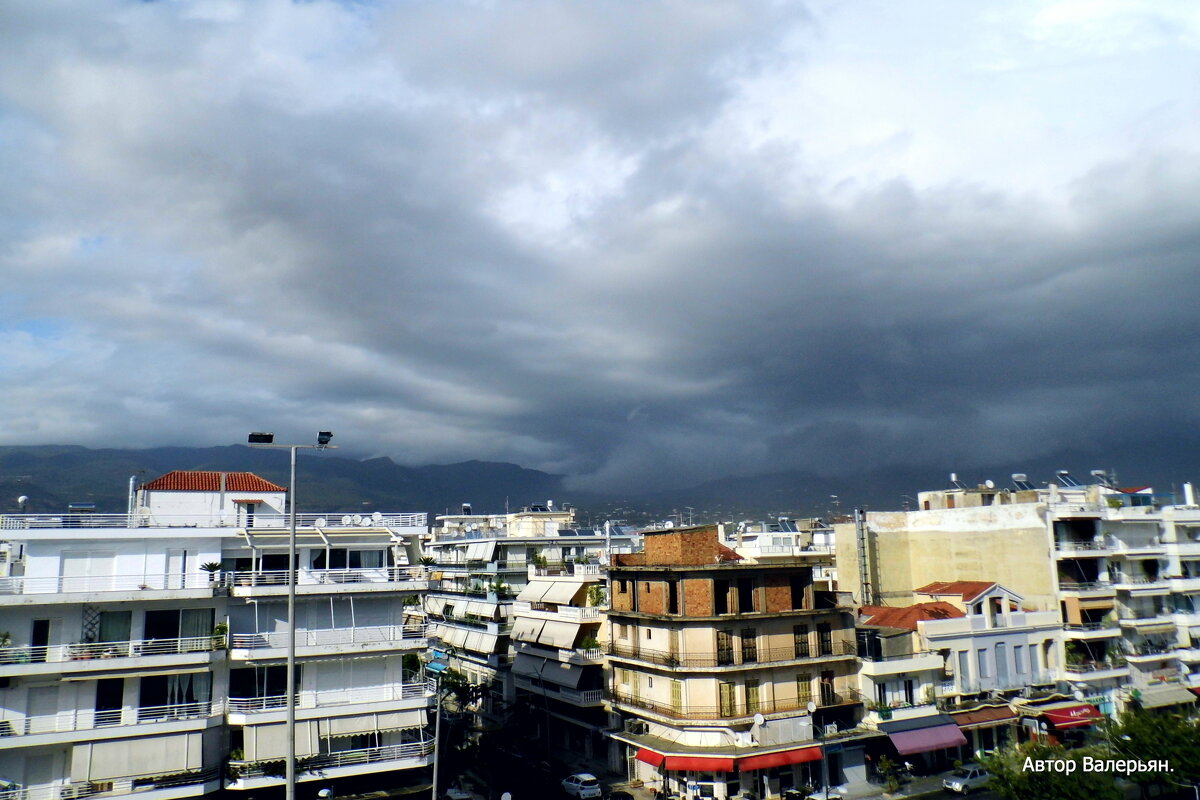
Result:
pixel 727 554
pixel 907 616
pixel 202 481
pixel 968 590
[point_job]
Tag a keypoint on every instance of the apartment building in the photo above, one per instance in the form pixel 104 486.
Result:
pixel 482 567
pixel 1118 565
pixel 730 675
pixel 143 653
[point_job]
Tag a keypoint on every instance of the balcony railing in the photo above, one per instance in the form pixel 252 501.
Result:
pixel 342 758
pixel 712 658
pixel 87 651
pixel 115 787
pixel 1115 663
pixel 578 613
pixel 899 657
pixel 230 519
pixel 89 719
pixel 1091 626
pixel 313 577
pixel 367 634
pixel 1084 586
pixel 335 697
pixel 736 710
pixel 63 584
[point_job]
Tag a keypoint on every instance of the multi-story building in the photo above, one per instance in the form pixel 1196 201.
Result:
pixel 143 653
pixel 729 675
pixel 482 565
pixel 1116 564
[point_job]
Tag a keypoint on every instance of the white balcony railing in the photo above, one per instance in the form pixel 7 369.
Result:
pixel 228 519
pixel 90 719
pixel 314 577
pixel 336 697
pixel 88 651
pixel 118 787
pixel 345 758
pixel 367 634
pixel 63 584
pixel 573 613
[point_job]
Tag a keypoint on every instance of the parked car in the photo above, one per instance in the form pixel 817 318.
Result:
pixel 966 779
pixel 581 784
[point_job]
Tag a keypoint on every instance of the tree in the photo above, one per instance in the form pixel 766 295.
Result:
pixel 1149 736
pixel 1016 776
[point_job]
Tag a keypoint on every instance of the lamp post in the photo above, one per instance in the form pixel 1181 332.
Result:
pixel 267 441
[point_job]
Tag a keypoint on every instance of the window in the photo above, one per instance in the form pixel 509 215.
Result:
pixel 803 687
pixel 1001 660
pixel 648 637
pixel 649 682
pixel 752 696
pixel 749 646
pixel 981 656
pixel 1019 658
pixel 964 668
pixel 800 640
pixel 623 677
pixel 825 638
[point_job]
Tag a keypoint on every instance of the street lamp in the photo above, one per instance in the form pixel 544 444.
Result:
pixel 267 441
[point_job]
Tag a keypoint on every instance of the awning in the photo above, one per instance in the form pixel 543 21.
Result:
pixel 780 759
pixel 700 763
pixel 1166 695
pixel 249 501
pixel 534 591
pixel 650 757
pixel 527 630
pixel 480 551
pixel 562 591
pixel 986 717
pixel 482 609
pixel 549 671
pixel 436 666
pixel 369 723
pixel 434 605
pixel 1070 715
pixel 559 634
pixel 481 642
pixel 925 739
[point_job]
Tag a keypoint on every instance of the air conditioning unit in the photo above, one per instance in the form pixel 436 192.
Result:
pixel 831 729
pixel 636 726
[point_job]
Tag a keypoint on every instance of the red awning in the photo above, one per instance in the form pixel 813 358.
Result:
pixel 700 763
pixel 1073 716
pixel 985 717
pixel 249 501
pixel 780 759
pixel 650 757
pixel 923 740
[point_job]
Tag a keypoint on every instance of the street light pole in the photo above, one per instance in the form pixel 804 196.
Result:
pixel 266 441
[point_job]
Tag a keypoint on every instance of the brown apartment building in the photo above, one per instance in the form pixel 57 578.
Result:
pixel 730 675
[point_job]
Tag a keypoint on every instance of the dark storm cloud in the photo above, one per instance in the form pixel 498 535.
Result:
pixel 641 244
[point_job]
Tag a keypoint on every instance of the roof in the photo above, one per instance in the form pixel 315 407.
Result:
pixel 907 616
pixel 203 481
pixel 968 590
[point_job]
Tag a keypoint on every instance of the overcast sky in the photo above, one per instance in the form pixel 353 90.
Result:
pixel 640 243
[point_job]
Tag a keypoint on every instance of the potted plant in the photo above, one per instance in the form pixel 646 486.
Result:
pixel 212 568
pixel 220 631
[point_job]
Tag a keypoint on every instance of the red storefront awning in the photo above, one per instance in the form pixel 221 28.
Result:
pixel 985 717
pixel 1073 716
pixel 923 740
pixel 780 759
pixel 650 757
pixel 700 763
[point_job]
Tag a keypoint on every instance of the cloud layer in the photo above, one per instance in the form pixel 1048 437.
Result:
pixel 644 244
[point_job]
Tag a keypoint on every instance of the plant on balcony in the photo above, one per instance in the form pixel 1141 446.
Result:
pixel 539 560
pixel 212 568
pixel 595 595
pixel 500 588
pixel 1074 655
pixel 220 633
pixel 5 639
pixel 589 643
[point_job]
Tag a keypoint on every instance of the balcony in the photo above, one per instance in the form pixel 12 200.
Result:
pixel 343 763
pixel 581 656
pixel 151 786
pixel 735 711
pixel 566 568
pixel 874 666
pixel 1184 583
pixel 330 641
pixel 1141 585
pixel 1148 653
pixel 1086 588
pixel 898 712
pixel 312 705
pixel 50 729
pixel 545 611
pixel 110 656
pixel 266 583
pixel 1096 670
pixel 584 698
pixel 1091 630
pixel 1082 549
pixel 27 590
pixel 711 659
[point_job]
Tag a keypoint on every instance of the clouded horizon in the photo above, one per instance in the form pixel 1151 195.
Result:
pixel 641 244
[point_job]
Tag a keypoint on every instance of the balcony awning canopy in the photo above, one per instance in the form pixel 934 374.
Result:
pixel 1169 694
pixel 562 591
pixel 480 551
pixel 527 630
pixel 650 757
pixel 1067 715
pixel 534 591
pixel 700 763
pixel 559 634
pixel 555 672
pixel 781 759
pixel 923 734
pixel 481 642
pixel 985 717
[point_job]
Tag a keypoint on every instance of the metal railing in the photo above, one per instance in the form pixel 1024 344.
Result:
pixel 113 787
pixel 766 656
pixel 61 584
pixel 229 519
pixel 899 657
pixel 1117 662
pixel 343 758
pixel 335 697
pixel 739 710
pixel 311 577
pixel 367 634
pixel 87 651
pixel 89 719
pixel 1091 626
pixel 1083 586
pixel 580 613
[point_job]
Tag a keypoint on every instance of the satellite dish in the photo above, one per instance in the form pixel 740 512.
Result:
pixel 321 522
pixel 144 511
pixel 365 522
pixel 811 706
pixel 375 517
pixel 346 520
pixel 759 719
pixel 989 483
pixel 1078 694
pixel 356 519
pixel 22 500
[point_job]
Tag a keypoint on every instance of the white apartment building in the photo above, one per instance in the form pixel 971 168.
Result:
pixel 142 654
pixel 1120 566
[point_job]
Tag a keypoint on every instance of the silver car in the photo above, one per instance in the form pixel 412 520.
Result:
pixel 966 779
